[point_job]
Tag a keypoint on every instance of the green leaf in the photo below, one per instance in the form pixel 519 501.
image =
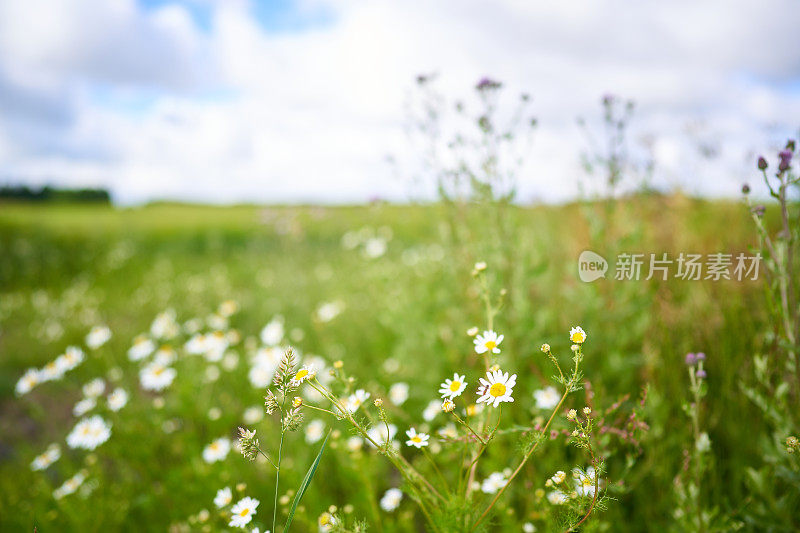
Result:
pixel 306 482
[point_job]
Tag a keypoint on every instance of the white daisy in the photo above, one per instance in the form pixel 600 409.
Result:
pixel 97 337
pixel 272 334
pixel 89 433
pixel 585 481
pixel 242 512
pixel 164 326
pixel 433 408
pixel 418 440
pixel 558 477
pixel 379 434
pixel 314 431
pixel 223 497
pixel 398 393
pixel 84 406
pixel 141 348
pixel 452 388
pixel 488 342
pixel 228 308
pixel 94 388
pixel 28 381
pixel 165 355
pixel 215 346
pixel 496 388
pixel 196 344
pixel 546 398
pixel 117 399
pixel 391 500
pixel 52 371
pixel 493 483
pixel 217 450
pixel 577 335
pixel 72 357
pixel 50 456
pixel 70 485
pixel 556 497
pixel 356 400
pixel 304 373
pixel 156 376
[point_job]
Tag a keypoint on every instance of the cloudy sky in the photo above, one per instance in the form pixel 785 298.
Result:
pixel 280 100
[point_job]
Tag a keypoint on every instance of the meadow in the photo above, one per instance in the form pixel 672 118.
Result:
pixel 381 297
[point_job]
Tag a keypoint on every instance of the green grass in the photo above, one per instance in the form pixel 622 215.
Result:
pixel 69 267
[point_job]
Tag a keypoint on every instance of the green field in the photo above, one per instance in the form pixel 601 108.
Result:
pixel 67 268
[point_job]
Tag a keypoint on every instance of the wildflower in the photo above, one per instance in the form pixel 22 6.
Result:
pixel 587 410
pixel 84 406
pixel 164 326
pixel 51 372
pixel 472 331
pixel 98 336
pixel 354 444
pixel 380 435
pixel 546 398
pixel 453 388
pixel 303 374
pixel 89 433
pixel 762 163
pixel 338 364
pixel 418 440
pixel 493 483
pixel 165 355
pixel 326 521
pixel 572 414
pixel 378 402
pixel 273 332
pixel 242 512
pixel 50 456
pixel 314 431
pixel 328 311
pixel 356 400
pixel 701 373
pixel 71 358
pixel 480 266
pixel 214 413
pixel 700 356
pixel 94 388
pixel 398 393
pixel 253 415
pixel 690 359
pixel 28 381
pixel 559 477
pixel 703 443
pixel 545 348
pixel 577 335
pixel 473 409
pixel 217 450
pixel 297 402
pixel 223 497
pixel 488 342
pixel 527 527
pixel 557 497
pixel 70 485
pixel 496 388
pixel 448 406
pixel 228 308
pixel 141 348
pixel 374 247
pixel 431 410
pixel 391 500
pixel 156 376
pixel 585 481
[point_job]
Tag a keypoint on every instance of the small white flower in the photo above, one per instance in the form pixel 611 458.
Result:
pixel 117 399
pixel 98 336
pixel 165 355
pixel 398 393
pixel 559 477
pixel 84 406
pixel 89 433
pixel 355 444
pixel 242 512
pixel 314 431
pixel 585 481
pixel 472 331
pixel 546 398
pixel 164 326
pixel 527 527
pixel 223 497
pixel 488 341
pixel 272 334
pixel 378 433
pixel 304 373
pixel 417 440
pixel 493 483
pixel 156 376
pixel 217 450
pixel 356 400
pixel 496 388
pixel 374 247
pixel 556 497
pixel 70 485
pixel 196 344
pixel 328 311
pixel 70 359
pixel 28 381
pixel 50 456
pixel 94 388
pixel 577 335
pixel 391 500
pixel 52 371
pixel 433 408
pixel 141 348
pixel 228 308
pixel 452 388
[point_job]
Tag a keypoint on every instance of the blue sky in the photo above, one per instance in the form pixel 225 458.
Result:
pixel 274 101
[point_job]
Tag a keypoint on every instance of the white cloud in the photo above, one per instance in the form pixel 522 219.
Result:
pixel 241 113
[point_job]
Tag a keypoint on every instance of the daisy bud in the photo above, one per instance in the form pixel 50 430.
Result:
pixel 240 487
pixel 297 402
pixel 338 364
pixel 545 347
pixel 480 266
pixel 378 402
pixel 587 411
pixel 745 189
pixel 762 163
pixel 572 414
pixel 472 331
pixel 448 406
pixel 574 347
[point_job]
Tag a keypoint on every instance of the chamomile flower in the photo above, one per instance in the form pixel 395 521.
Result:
pixel 488 341
pixel 272 334
pixel 379 434
pixel 28 381
pixel 431 410
pixel 452 388
pixel 98 336
pixel 314 431
pixel 493 483
pixel 557 497
pixel 304 373
pixel 242 512
pixel 356 400
pixel 156 376
pixel 546 398
pixel 89 433
pixel 50 456
pixel 70 485
pixel 117 399
pixel 391 500
pixel 84 406
pixel 228 308
pixel 141 348
pixel 71 358
pixel 94 388
pixel 417 440
pixel 52 371
pixel 223 497
pixel 585 481
pixel 398 393
pixel 558 477
pixel 217 450
pixel 165 326
pixel 496 388
pixel 577 335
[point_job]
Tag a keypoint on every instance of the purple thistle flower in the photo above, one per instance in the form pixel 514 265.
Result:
pixel 762 163
pixel 700 356
pixel 691 359
pixel 701 373
pixel 785 155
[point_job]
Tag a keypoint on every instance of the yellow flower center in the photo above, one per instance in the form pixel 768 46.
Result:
pixel 577 337
pixel 244 512
pixel 455 385
pixel 498 389
pixel 490 345
pixel 214 446
pixel 301 374
pixel 158 371
pixel 416 438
